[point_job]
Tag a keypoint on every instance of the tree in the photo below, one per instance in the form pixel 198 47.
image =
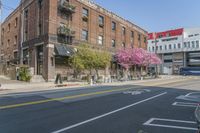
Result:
pixel 87 59
pixel 136 57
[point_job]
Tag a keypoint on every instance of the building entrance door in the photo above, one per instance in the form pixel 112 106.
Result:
pixel 39 59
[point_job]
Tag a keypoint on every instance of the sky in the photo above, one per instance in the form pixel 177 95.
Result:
pixel 151 15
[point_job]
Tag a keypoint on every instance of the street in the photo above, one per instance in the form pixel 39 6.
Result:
pixel 158 107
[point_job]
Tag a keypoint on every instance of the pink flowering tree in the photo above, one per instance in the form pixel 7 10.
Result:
pixel 154 59
pixel 136 57
pixel 123 57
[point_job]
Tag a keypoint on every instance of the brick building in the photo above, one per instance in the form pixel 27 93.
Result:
pixel 50 29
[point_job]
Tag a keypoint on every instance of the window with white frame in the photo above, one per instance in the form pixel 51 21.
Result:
pixel 100 40
pixel 84 35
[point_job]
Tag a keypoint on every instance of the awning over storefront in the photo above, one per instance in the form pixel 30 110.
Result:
pixel 64 50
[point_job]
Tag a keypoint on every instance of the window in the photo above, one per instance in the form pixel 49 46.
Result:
pixel 160 36
pixel 170 46
pixel 40 3
pixel 132 43
pixel 193 44
pixel 85 12
pixel 26 25
pixel 156 48
pixel 101 21
pixel 15 41
pixel 145 39
pixel 40 15
pixel 197 44
pixel 3 32
pixel 9 27
pixel 169 39
pixel 160 48
pixel 113 26
pixel 123 30
pixel 100 40
pixel 26 14
pixel 174 46
pixel 113 43
pixel 15 55
pixel 52 61
pixel 84 35
pixel 188 44
pixel 132 34
pixel 153 49
pixel 185 45
pixel 190 35
pixel 179 45
pixel 123 45
pixel 165 47
pixel 139 37
pixel 8 43
pixel 16 22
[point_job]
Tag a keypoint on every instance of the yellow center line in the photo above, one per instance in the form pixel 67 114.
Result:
pixel 60 99
pixel 75 96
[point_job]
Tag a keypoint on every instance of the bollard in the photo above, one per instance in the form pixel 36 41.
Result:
pixel 91 82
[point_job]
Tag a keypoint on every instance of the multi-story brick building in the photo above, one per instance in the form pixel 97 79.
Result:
pixel 177 48
pixel 51 28
pixel 10 35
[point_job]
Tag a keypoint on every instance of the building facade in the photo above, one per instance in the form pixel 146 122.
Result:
pixel 177 48
pixel 50 29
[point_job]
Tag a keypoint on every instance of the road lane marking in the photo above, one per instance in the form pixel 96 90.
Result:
pixel 78 96
pixel 150 123
pixel 136 92
pixel 146 84
pixel 185 104
pixel 62 98
pixel 189 94
pixel 107 114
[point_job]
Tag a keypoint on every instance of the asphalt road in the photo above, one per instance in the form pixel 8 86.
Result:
pixel 103 109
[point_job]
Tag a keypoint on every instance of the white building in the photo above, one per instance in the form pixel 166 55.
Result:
pixel 177 48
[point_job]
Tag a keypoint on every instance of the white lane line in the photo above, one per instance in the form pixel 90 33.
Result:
pixel 106 114
pixel 149 123
pixel 185 104
pixel 189 94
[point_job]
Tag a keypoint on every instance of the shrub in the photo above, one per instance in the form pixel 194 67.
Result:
pixel 24 74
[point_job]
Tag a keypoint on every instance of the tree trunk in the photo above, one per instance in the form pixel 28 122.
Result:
pixel 135 67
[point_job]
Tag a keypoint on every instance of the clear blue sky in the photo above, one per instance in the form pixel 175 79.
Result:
pixel 152 15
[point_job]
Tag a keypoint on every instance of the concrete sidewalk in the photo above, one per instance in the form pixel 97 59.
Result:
pixel 9 87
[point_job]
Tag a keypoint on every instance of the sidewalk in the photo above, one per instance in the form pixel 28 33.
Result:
pixel 10 86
